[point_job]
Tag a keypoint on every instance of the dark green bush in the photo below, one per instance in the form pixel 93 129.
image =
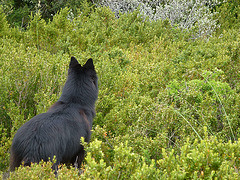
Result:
pixel 18 12
pixel 3 23
pixel 229 14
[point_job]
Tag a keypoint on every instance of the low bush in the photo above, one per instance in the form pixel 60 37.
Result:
pixel 168 104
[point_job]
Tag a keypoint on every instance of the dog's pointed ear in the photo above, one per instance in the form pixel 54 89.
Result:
pixel 89 64
pixel 73 62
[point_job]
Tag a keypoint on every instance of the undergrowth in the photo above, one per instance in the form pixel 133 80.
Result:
pixel 168 105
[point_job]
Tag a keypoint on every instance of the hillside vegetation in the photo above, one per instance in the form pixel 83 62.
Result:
pixel 169 97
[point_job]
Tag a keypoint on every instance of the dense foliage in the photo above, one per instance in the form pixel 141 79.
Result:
pixel 18 11
pixel 169 103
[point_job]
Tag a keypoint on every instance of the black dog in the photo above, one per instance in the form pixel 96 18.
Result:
pixel 58 131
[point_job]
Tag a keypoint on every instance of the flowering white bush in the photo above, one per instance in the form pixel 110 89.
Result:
pixel 184 13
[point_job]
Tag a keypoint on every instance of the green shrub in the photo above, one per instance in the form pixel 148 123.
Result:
pixel 228 16
pixel 204 103
pixel 202 159
pixel 18 12
pixel 43 170
pixel 3 23
pixel 168 106
pixel 208 158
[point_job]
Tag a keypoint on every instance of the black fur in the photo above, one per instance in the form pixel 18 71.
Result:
pixel 58 131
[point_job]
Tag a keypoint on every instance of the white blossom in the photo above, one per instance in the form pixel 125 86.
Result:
pixel 184 13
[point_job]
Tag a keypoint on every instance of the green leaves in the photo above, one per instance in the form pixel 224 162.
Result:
pixel 168 106
pixel 202 159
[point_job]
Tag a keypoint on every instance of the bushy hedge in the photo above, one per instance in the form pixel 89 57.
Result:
pixel 18 12
pixel 168 106
pixel 209 158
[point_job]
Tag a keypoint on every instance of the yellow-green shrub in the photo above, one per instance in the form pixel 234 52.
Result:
pixel 158 90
